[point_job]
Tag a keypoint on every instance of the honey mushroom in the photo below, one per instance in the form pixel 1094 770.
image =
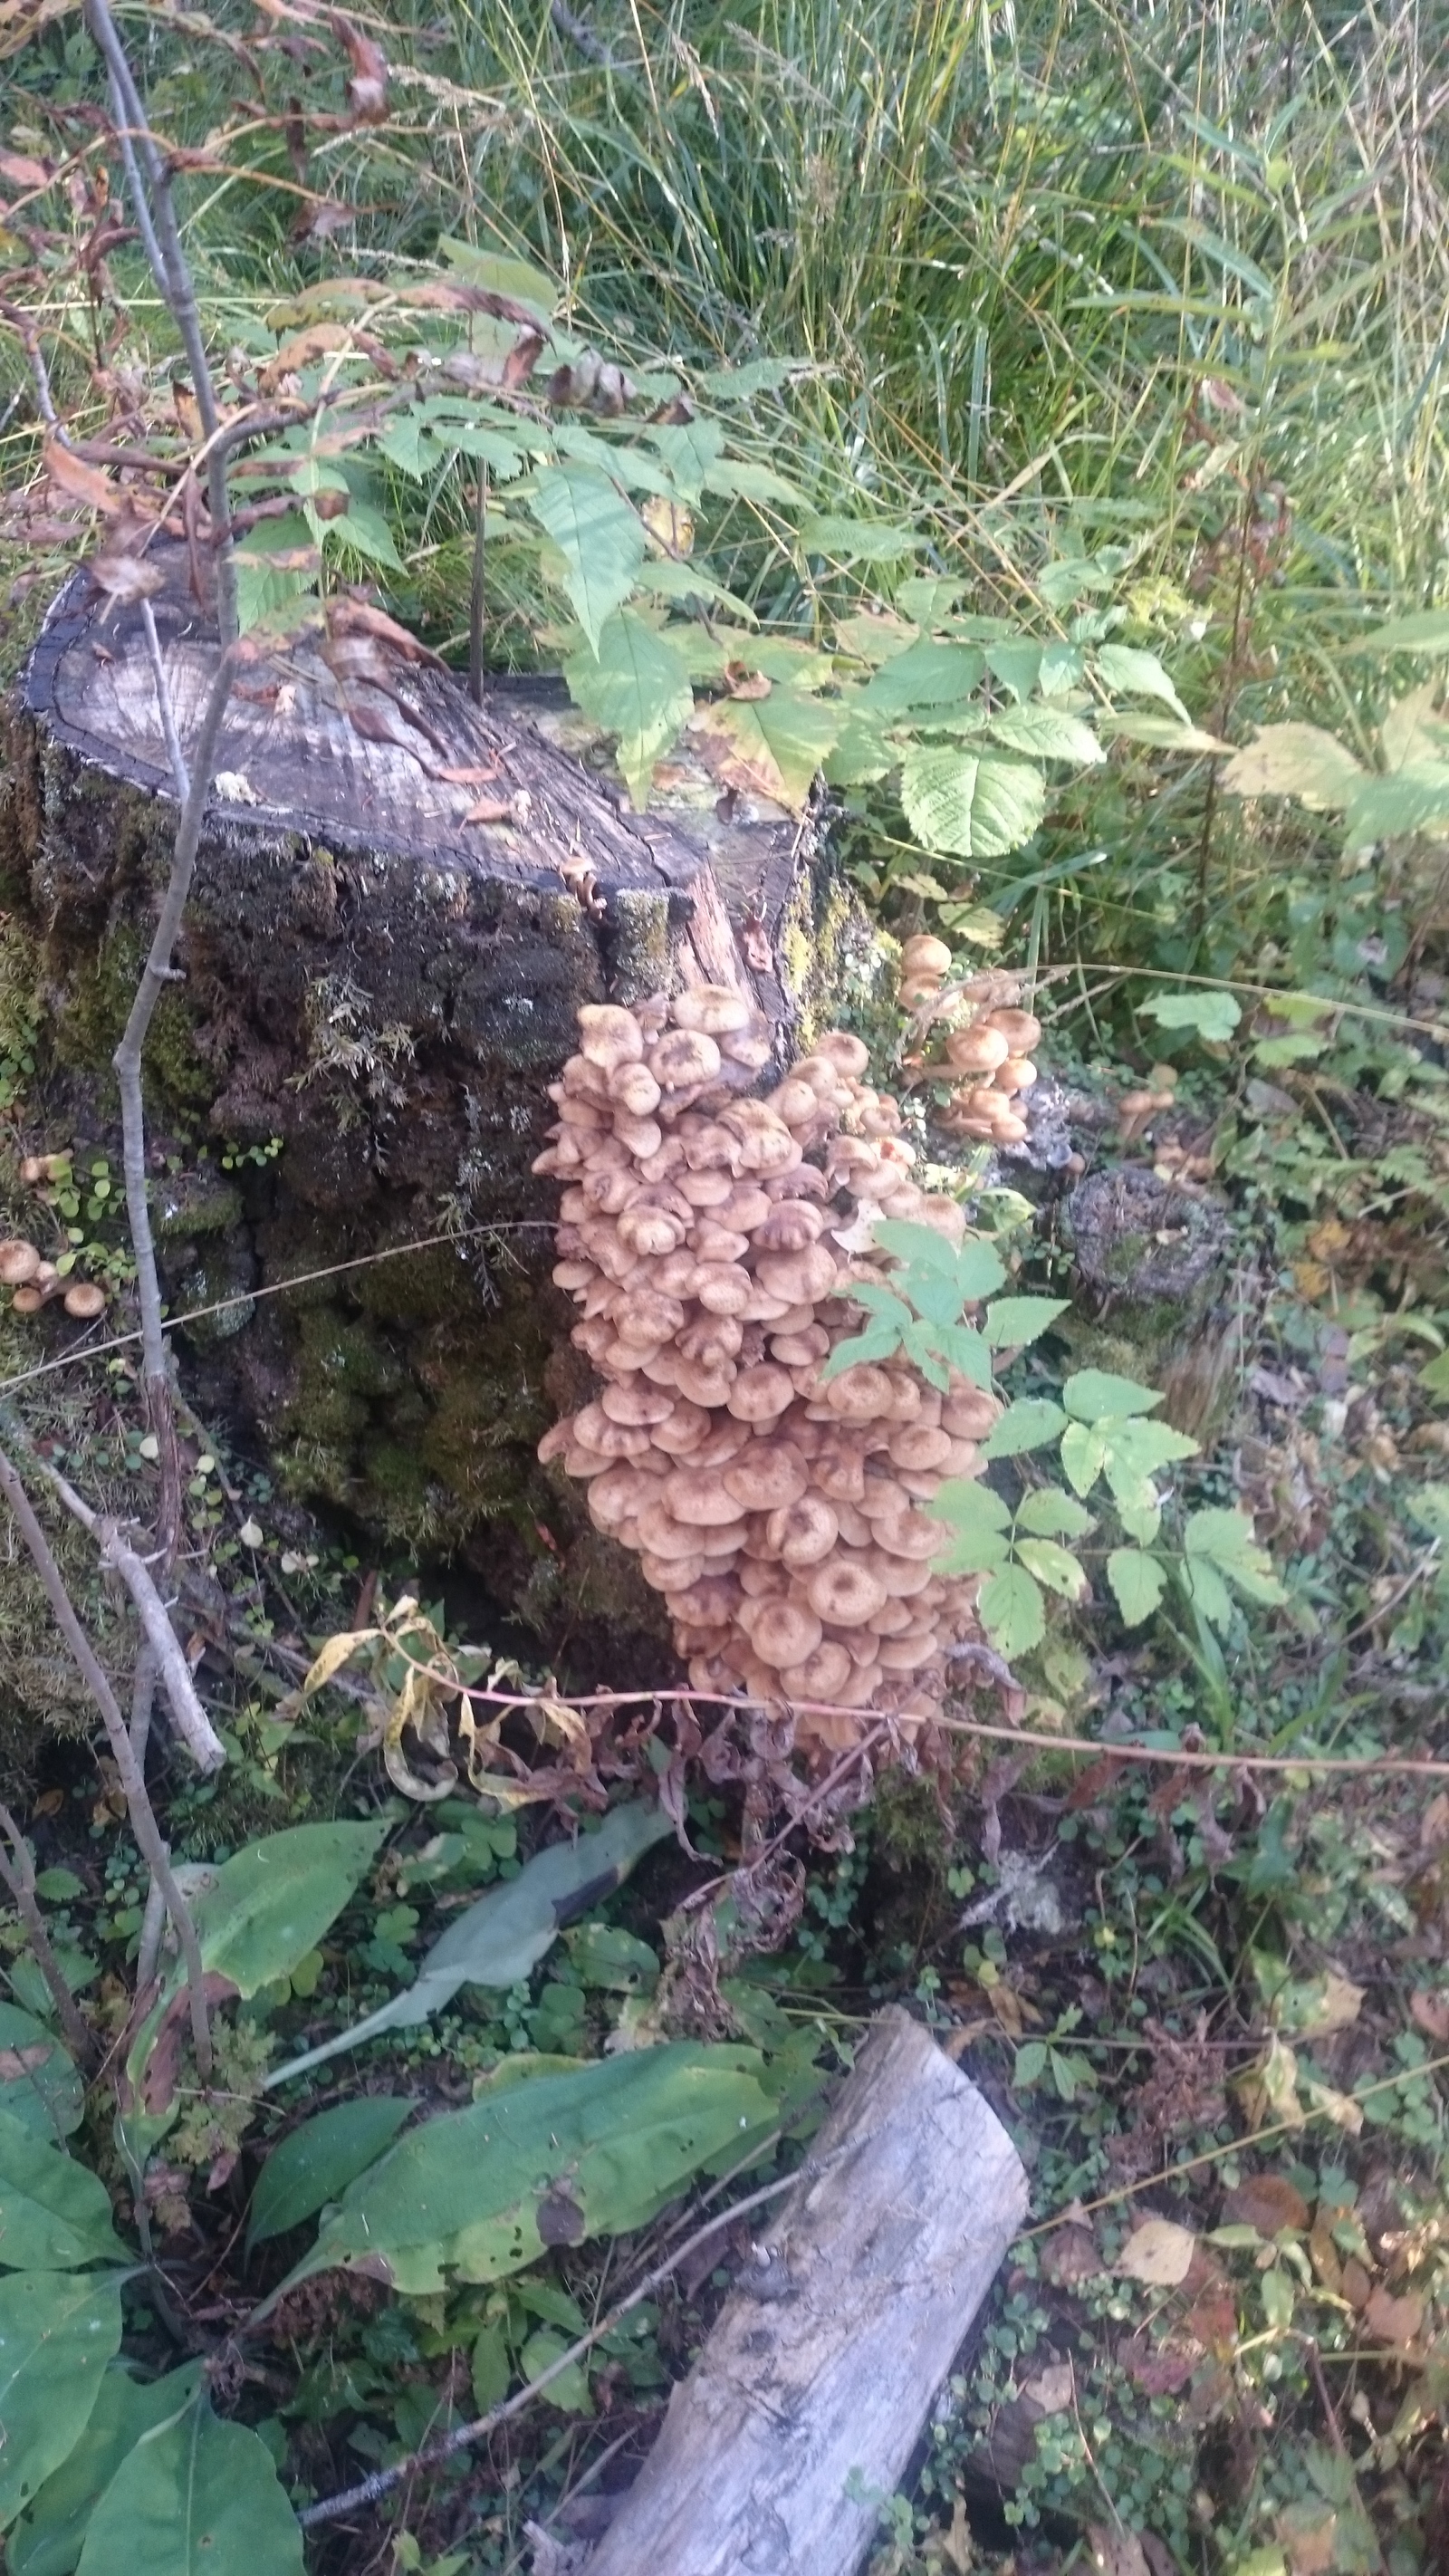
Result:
pixel 987 1056
pixel 777 1510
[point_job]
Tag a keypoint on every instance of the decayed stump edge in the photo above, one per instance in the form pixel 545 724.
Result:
pixel 800 2413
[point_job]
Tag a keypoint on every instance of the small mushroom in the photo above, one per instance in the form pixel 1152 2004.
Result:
pixel 1018 1073
pixel 977 1050
pixel 849 1055
pixel 683 1057
pixel 721 1286
pixel 843 1594
pixel 761 1393
pixel 782 1632
pixel 924 955
pixel 633 1087
pixel 642 1136
pixel 803 1532
pixel 610 1439
pixel 766 1476
pixel 19 1261
pixel 800 1278
pixel 716 1009
pixel 609 1035
pixel 1021 1030
pixel 917 1445
pixel 750 1048
pixel 821 1676
pixel 858 1394
pixel 636 1404
pixel 699 1496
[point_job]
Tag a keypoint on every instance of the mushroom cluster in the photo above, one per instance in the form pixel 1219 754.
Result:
pixel 988 1051
pixel 36 1281
pixel 713 1239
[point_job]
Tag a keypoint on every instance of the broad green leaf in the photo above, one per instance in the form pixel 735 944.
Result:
pixel 632 468
pixel 274 1899
pixel 1138 1583
pixel 1095 1395
pixel 1434 1375
pixel 1425 632
pixel 1047 733
pixel 318 2161
pixel 1017 665
pixel 48 2539
pixel 480 2193
pixel 920 1247
pixel 738 478
pixel 969 1506
pixel 937 1300
pixel 691 451
pixel 501 274
pixel 1225 1539
pixel 195 2498
pixel 599 537
pixel 860 753
pixel 1207 1592
pixel 501 1939
pixel 881 1342
pixel 1031 1423
pixel 784 657
pixel 756 376
pixel 768 746
pixel 1029 2066
pixel 570 2391
pixel 55 2214
pixel 605 1955
pixel 857 540
pixel 970 806
pixel 1136 1447
pixel 1011 1611
pixel 979 1270
pixel 637 687
pixel 1164 733
pixel 925 675
pixel 1062 668
pixel 1084 1455
pixel 492 2367
pixel 363 531
pixel 1049 1513
pixel 1412 800
pixel 1214 1015
pixel 1053 1565
pixel 58 2330
pixel 39 2085
pixel 1010 1323
pixel 1125 668
pixel 874 637
pixel 1294 760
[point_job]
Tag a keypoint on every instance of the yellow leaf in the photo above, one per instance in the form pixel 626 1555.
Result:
pixel 1279 2078
pixel 669 524
pixel 338 1651
pixel 1158 2252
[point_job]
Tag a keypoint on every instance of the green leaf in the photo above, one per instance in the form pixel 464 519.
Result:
pixel 1136 1449
pixel 881 1342
pixel 768 746
pixel 501 274
pixel 925 675
pixel 47 2540
pixel 1012 1322
pixel 969 1506
pixel 1434 1375
pixel 860 753
pixel 39 2086
pixel 195 2498
pixel 1165 733
pixel 1214 1015
pixel 1138 1583
pixel 501 1939
pixel 1017 665
pixel 274 1899
pixel 738 478
pixel 1084 1455
pixel 637 687
pixel 1047 733
pixel 970 806
pixel 917 1246
pixel 570 2391
pixel 1294 760
pixel 1207 1592
pixel 58 2330
pixel 1412 800
pixel 1095 1395
pixel 1031 1423
pixel 1124 668
pixel 318 2161
pixel 55 2214
pixel 600 538
pixel 691 450
pixel 480 2193
pixel 362 531
pixel 1054 1566
pixel 605 1955
pixel 492 2367
pixel 1029 2066
pixel 1049 1513
pixel 857 540
pixel 1011 1611
pixel 1225 1539
pixel 1425 632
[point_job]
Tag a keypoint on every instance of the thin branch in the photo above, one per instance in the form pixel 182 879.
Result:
pixel 142 1813
pixel 169 733
pixel 18 1873
pixel 433 2454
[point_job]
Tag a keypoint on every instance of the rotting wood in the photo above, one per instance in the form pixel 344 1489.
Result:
pixel 802 2411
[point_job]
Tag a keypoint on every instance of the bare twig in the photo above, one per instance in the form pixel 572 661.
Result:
pixel 18 1873
pixel 169 733
pixel 142 1813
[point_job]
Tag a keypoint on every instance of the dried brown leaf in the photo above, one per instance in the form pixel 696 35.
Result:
pixel 1268 2202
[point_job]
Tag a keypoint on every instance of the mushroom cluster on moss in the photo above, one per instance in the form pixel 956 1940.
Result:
pixel 713 1238
pixel 989 1048
pixel 36 1281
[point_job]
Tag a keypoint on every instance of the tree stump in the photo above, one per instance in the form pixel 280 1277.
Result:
pixel 375 992
pixel 1152 1269
pixel 801 2413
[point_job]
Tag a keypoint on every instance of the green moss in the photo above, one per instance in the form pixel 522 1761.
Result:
pixel 96 998
pixel 639 960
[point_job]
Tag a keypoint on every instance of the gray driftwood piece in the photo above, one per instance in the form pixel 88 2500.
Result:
pixel 802 2407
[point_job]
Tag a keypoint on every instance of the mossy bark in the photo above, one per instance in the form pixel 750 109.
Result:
pixel 364 1031
pixel 1154 1289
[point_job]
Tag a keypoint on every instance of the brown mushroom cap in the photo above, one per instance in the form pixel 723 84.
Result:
pixel 800 1278
pixel 761 1393
pixel 647 1317
pixel 616 1495
pixel 977 1050
pixel 1017 1074
pixel 717 1009
pixel 923 955
pixel 633 1087
pixel 1021 1030
pixel 802 1532
pixel 766 1475
pixel 822 1675
pixel 907 1533
pixel 707 1189
pixel 858 1394
pixel 663 1535
pixel 610 1439
pixel 699 1496
pixel 763 1578
pixel 849 1055
pixel 609 1035
pixel 637 1404
pixel 711 1340
pixel 782 1631
pixel 707 1387
pixel 721 1286
pixel 791 1226
pixel 843 1594
pixel 969 1412
pixel 19 1261
pixel 907 1653
pixel 716 1242
pixel 917 1445
pixel 683 1057
pixel 802 1350
pixel 642 1136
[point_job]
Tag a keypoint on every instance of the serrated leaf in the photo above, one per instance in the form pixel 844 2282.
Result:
pixel 1049 1513
pixel 47 2540
pixel 919 1246
pixel 860 753
pixel 739 478
pixel 1017 664
pixel 963 1346
pixel 1084 1455
pixel 880 1343
pixel 1047 733
pixel 637 687
pixel 1011 1611
pixel 1207 1592
pixel 599 537
pixel 965 1504
pixel 1294 760
pixel 970 806
pixel 1096 1395
pixel 1031 1423
pixel 937 1299
pixel 925 1344
pixel 1226 1540
pixel 768 746
pixel 55 2214
pixel 195 2498
pixel 691 450
pixel 1138 1583
pixel 58 2330
pixel 1413 800
pixel 1055 1566
pixel 857 540
pixel 1164 733
pixel 318 2161
pixel 925 675
pixel 1010 1323
pixel 1137 674
pixel 1214 1015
